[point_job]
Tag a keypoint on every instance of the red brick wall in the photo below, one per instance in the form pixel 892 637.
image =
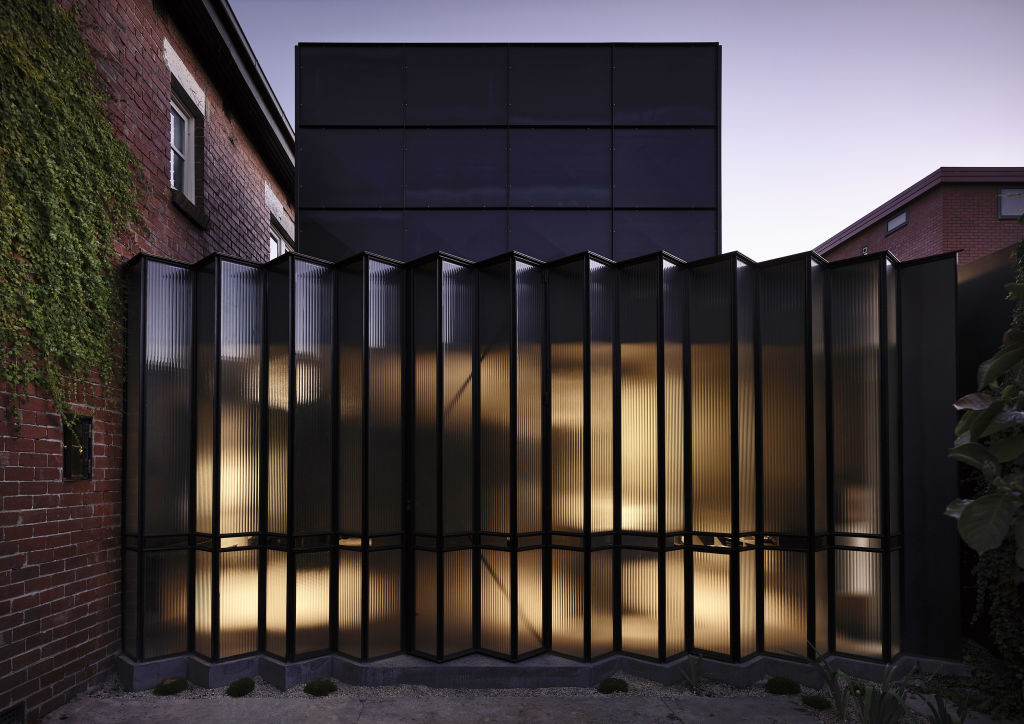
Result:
pixel 950 217
pixel 60 567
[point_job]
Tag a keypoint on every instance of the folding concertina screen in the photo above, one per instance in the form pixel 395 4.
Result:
pixel 580 456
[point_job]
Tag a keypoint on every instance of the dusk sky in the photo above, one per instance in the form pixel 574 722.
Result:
pixel 828 108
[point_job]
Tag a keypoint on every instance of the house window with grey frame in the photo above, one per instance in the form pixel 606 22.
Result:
pixel 896 222
pixel 1011 203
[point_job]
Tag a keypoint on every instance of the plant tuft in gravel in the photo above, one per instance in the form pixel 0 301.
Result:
pixel 167 687
pixel 816 701
pixel 612 685
pixel 779 685
pixel 241 687
pixel 320 687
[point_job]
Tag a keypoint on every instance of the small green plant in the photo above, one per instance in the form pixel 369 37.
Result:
pixel 168 687
pixel 780 685
pixel 612 685
pixel 693 672
pixel 835 683
pixel 885 703
pixel 320 687
pixel 241 687
pixel 816 701
pixel 939 714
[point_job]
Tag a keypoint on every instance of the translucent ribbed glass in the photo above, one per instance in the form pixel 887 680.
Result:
pixel 425 432
pixel 638 334
pixel 674 312
pixel 748 601
pixel 134 312
pixel 350 602
pixel 602 395
pixel 495 397
pixel 821 621
pixel 711 602
pixel 568 602
pixel 385 602
pixel 165 603
pixel 893 401
pixel 204 603
pixel 529 281
pixel 277 602
pixel 855 338
pixel 130 605
pixel 495 601
pixel 639 602
pixel 602 602
pixel 312 440
pixel 239 589
pixel 530 570
pixel 567 327
pixel 312 601
pixel 746 421
pixel 675 602
pixel 167 406
pixel 818 376
pixel 278 383
pixel 206 363
pixel 858 607
pixel 458 601
pixel 351 318
pixel 425 623
pixel 785 602
pixel 458 322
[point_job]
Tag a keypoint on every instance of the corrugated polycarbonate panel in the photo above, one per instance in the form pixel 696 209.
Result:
pixel 711 289
pixel 821 621
pixel 276 623
pixel 425 622
pixel 385 603
pixel 241 355
pixel 206 362
pixel 855 339
pixel 568 602
pixel 458 320
pixel 458 601
pixel 711 601
pixel 204 603
pixel 638 334
pixel 425 348
pixel 350 602
pixel 818 389
pixel 313 436
pixel 351 320
pixel 785 602
pixel 529 311
pixel 893 394
pixel 858 607
pixel 130 604
pixel 167 402
pixel 674 315
pixel 748 601
pixel 639 602
pixel 133 400
pixel 495 398
pixel 746 422
pixel 602 602
pixel 165 603
pixel 566 324
pixel 675 602
pixel 602 396
pixel 781 300
pixel 495 601
pixel 239 590
pixel 312 601
pixel 530 616
pixel 278 328
pixel 386 329
pixel 895 581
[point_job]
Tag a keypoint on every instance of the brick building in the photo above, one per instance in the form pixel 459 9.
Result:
pixel 217 178
pixel 970 210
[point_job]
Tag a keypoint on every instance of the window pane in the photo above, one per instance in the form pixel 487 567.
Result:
pixel 456 85
pixel 1011 202
pixel 337 235
pixel 350 86
pixel 666 85
pixel 350 168
pixel 448 167
pixel 690 235
pixel 177 170
pixel 177 130
pixel 666 168
pixel 560 168
pixel 560 85
pixel 473 235
pixel 549 235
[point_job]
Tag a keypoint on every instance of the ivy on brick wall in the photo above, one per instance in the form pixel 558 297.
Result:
pixel 67 190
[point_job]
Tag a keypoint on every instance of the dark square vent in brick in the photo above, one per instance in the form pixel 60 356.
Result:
pixel 77 450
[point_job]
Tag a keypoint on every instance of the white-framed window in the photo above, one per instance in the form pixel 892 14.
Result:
pixel 183 150
pixel 1011 203
pixel 279 243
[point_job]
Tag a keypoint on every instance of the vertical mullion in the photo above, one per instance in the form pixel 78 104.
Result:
pixel 215 521
pixel 734 472
pixel 662 444
pixel 586 460
pixel 513 427
pixel 140 587
pixel 757 382
pixel 883 431
pixel 688 464
pixel 364 543
pixel 264 453
pixel 439 312
pixel 829 456
pixel 476 554
pixel 616 479
pixel 809 451
pixel 290 608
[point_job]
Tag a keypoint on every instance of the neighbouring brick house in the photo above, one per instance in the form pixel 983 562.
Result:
pixel 970 210
pixel 217 167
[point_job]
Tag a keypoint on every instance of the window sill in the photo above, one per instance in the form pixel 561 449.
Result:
pixel 190 210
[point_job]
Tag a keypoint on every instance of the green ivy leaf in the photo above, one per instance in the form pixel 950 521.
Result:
pixel 984 523
pixel 973 401
pixel 972 454
pixel 1004 359
pixel 1008 449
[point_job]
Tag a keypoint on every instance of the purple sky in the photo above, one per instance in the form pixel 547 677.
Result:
pixel 828 108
